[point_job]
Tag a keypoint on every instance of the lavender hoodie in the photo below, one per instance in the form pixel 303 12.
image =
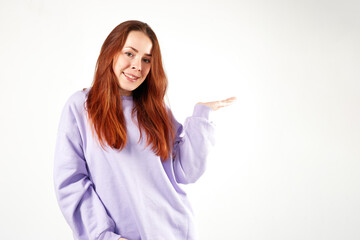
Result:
pixel 105 194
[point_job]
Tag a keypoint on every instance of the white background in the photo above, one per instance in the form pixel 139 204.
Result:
pixel 287 160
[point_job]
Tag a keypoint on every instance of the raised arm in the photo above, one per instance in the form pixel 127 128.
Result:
pixel 194 140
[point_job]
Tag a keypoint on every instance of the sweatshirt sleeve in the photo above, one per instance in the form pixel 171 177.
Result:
pixel 192 144
pixel 76 196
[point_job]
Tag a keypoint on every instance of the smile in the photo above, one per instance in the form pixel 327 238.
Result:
pixel 131 78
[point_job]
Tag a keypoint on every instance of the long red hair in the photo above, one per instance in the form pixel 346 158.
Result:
pixel 104 100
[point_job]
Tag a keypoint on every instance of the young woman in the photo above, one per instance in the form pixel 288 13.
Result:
pixel 120 155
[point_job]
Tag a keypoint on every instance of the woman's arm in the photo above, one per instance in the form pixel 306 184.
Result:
pixel 78 201
pixel 193 142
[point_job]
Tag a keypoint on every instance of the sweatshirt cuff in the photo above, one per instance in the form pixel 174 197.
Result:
pixel 201 110
pixel 108 235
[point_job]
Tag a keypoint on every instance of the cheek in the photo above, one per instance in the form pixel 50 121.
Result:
pixel 146 70
pixel 121 64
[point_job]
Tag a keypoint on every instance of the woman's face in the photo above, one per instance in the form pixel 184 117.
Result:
pixel 132 64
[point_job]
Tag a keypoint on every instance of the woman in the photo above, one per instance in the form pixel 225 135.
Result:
pixel 120 155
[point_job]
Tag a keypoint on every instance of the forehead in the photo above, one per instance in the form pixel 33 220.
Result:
pixel 140 41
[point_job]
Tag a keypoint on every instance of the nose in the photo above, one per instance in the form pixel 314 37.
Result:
pixel 136 64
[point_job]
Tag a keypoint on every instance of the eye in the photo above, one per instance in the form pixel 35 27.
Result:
pixel 129 54
pixel 146 60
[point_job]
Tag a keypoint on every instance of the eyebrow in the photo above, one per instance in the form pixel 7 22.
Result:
pixel 147 54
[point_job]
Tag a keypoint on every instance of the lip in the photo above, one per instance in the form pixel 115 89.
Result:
pixel 131 79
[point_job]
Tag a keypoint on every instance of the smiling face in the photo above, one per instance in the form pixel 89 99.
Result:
pixel 132 64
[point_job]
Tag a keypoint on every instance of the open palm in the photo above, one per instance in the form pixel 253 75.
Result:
pixel 215 105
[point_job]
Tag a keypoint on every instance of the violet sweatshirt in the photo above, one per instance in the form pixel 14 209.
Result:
pixel 106 194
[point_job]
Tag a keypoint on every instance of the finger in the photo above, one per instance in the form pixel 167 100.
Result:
pixel 231 99
pixel 228 101
pixel 224 104
pixel 221 105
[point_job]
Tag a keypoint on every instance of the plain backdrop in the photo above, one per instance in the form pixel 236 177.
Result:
pixel 287 160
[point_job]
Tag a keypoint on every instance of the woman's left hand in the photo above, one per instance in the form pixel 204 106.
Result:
pixel 219 104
